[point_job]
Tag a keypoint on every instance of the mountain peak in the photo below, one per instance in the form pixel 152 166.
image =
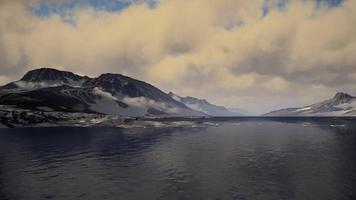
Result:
pixel 110 75
pixel 342 95
pixel 342 104
pixel 113 77
pixel 50 74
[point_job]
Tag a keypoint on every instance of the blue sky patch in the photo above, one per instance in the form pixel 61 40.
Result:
pixel 44 8
pixel 65 9
pixel 281 4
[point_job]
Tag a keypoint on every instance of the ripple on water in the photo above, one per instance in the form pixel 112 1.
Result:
pixel 220 160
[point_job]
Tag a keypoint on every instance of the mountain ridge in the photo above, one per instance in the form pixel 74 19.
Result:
pixel 204 106
pixel 341 104
pixel 113 94
pixel 47 74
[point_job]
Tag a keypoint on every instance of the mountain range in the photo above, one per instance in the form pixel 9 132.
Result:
pixel 342 104
pixel 204 106
pixel 52 90
pixel 47 89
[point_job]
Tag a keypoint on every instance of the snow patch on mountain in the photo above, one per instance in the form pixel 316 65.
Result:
pixel 34 85
pixel 303 109
pixel 341 104
pixel 203 106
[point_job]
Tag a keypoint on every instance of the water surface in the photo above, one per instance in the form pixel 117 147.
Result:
pixel 237 159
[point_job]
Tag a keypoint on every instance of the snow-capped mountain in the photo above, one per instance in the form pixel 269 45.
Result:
pixel 203 106
pixel 53 90
pixel 341 105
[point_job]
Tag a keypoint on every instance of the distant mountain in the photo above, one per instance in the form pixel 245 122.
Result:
pixel 341 104
pixel 203 106
pixel 54 90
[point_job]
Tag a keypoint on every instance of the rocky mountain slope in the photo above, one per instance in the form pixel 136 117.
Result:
pixel 49 89
pixel 341 104
pixel 204 106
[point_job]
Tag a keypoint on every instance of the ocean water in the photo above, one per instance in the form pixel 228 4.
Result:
pixel 232 158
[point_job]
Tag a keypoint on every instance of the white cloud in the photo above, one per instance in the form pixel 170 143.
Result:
pixel 142 102
pixel 104 94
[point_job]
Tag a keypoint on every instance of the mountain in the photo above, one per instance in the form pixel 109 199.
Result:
pixel 52 75
pixel 49 89
pixel 341 104
pixel 46 77
pixel 203 106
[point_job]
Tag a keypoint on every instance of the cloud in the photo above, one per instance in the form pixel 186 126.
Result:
pixel 257 60
pixel 138 102
pixel 102 93
pixel 142 102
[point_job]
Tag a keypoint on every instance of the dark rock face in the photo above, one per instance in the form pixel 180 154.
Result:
pixel 48 74
pixel 53 98
pixel 12 118
pixel 10 86
pixel 341 97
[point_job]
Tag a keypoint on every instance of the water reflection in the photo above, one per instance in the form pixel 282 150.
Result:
pixel 241 159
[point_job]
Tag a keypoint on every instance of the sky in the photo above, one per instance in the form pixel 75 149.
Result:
pixel 258 55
